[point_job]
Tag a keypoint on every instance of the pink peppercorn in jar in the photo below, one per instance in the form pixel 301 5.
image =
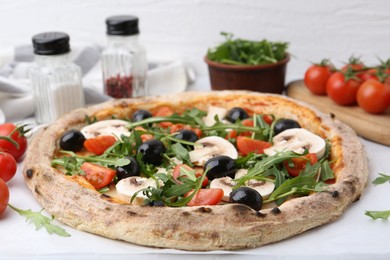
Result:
pixel 124 62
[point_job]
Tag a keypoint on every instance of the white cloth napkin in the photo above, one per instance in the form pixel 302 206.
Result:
pixel 16 99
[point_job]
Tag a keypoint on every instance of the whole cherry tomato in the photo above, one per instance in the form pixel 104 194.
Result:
pixel 316 77
pixel 7 166
pixel 4 196
pixel 374 96
pixel 354 64
pixel 341 89
pixel 17 135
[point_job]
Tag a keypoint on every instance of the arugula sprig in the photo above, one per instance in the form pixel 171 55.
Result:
pixel 384 214
pixel 39 220
pixel 172 192
pixel 382 179
pixel 310 179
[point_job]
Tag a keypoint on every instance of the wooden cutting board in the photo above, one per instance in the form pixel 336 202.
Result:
pixel 373 127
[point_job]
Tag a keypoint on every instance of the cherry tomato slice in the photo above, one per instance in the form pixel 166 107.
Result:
pixel 99 144
pixel 205 197
pixel 300 164
pixel 164 111
pixel 245 122
pixel 7 166
pixel 176 174
pixel 4 196
pixel 99 176
pixel 248 145
pixel 177 127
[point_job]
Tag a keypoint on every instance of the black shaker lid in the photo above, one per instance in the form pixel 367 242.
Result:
pixel 51 43
pixel 122 25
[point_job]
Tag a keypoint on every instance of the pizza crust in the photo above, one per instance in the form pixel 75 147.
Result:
pixel 230 226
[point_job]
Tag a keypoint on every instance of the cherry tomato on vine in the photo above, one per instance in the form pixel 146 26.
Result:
pixel 374 96
pixel 4 196
pixel 342 90
pixel 368 74
pixel 18 136
pixel 316 77
pixel 354 63
pixel 7 166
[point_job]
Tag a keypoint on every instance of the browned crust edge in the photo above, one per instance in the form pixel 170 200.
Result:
pixel 197 228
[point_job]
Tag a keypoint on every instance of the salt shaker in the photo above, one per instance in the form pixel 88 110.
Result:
pixel 124 63
pixel 55 79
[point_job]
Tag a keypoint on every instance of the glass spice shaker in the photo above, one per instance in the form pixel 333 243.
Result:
pixel 124 63
pixel 56 81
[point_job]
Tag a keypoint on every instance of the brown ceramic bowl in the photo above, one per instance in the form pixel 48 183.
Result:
pixel 267 78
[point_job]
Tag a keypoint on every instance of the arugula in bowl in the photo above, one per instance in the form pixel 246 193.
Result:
pixel 246 52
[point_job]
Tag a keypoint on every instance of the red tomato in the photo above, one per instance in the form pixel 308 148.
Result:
pixel 374 96
pixel 245 122
pixel 369 74
pixel 177 127
pixel 316 77
pixel 342 91
pixel 144 137
pixel 268 119
pixel 4 196
pixel 300 164
pixel 99 144
pixel 205 197
pixel 176 174
pixel 99 176
pixel 17 136
pixel 7 166
pixel 354 63
pixel 248 145
pixel 164 111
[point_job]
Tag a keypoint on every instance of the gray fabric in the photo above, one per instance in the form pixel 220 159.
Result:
pixel 88 58
pixel 24 53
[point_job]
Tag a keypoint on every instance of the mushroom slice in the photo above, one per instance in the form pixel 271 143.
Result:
pixel 297 140
pixel 213 111
pixel 127 187
pixel 265 188
pixel 114 127
pixel 210 146
pixel 226 184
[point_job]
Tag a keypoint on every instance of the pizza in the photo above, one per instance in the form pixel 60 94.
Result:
pixel 197 170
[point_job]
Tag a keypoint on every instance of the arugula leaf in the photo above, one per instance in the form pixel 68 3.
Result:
pixel 40 221
pixel 378 214
pixel 305 182
pixel 181 153
pixel 326 172
pixel 382 179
